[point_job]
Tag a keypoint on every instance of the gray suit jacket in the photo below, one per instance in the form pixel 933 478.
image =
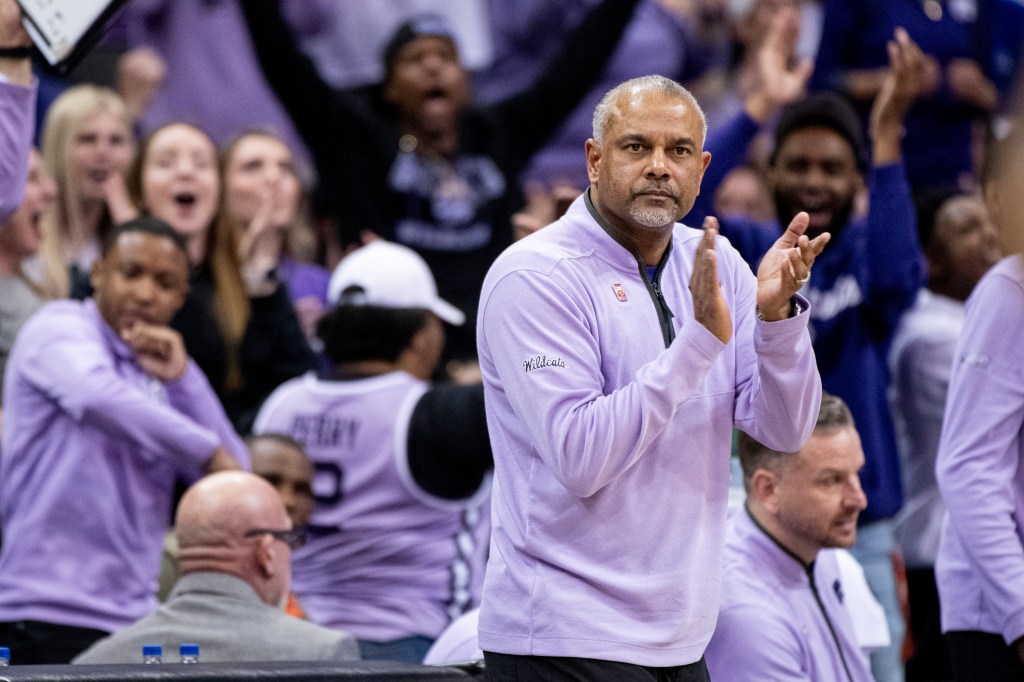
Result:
pixel 225 617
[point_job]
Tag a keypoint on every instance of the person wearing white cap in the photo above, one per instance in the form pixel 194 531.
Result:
pixel 399 529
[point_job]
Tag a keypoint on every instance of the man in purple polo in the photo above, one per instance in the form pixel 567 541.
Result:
pixel 618 350
pixel 782 614
pixel 103 410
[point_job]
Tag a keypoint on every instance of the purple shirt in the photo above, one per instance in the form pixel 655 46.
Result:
pixel 385 558
pixel 91 448
pixel 611 451
pixel 980 468
pixel 17 123
pixel 771 626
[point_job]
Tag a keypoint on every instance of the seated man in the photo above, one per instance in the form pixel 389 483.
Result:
pixel 282 461
pixel 400 525
pixel 234 540
pixel 103 410
pixel 782 615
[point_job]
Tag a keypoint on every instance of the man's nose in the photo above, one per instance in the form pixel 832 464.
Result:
pixel 657 167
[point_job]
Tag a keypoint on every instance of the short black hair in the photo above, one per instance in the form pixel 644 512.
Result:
pixel 824 109
pixel 146 225
pixel 426 24
pixel 833 415
pixel 351 333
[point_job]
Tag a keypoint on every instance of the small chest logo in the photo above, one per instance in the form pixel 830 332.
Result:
pixel 620 293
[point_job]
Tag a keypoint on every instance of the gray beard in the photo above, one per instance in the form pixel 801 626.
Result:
pixel 652 217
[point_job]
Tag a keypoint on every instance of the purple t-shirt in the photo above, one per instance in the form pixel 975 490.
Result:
pixel 17 120
pixel 91 449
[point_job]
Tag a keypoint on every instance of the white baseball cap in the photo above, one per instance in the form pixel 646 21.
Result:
pixel 389 275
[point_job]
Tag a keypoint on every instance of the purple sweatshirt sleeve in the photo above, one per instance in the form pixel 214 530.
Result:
pixel 979 456
pixel 192 396
pixel 74 369
pixel 17 124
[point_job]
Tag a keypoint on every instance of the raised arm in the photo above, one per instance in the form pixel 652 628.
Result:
pixel 535 113
pixel 17 109
pixel 895 268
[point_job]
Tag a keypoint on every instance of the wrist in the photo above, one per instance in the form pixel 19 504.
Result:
pixel 791 309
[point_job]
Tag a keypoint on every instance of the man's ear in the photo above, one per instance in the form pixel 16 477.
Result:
pixel 265 555
pixel 593 160
pixel 764 488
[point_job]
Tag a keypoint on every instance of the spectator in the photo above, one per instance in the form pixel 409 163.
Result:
pixel 426 167
pixel 399 527
pixel 783 615
pixel 103 409
pixel 19 239
pixel 618 351
pixel 282 462
pixel 193 61
pixel 263 197
pixel 961 246
pixel 958 87
pixel 235 540
pixel 87 145
pixel 980 567
pixel 678 40
pixel 869 276
pixel 17 107
pixel 246 339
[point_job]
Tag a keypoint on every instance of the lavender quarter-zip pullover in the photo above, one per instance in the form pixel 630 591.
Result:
pixel 611 445
pixel 91 449
pixel 980 467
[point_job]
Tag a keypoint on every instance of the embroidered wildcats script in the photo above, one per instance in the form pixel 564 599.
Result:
pixel 541 361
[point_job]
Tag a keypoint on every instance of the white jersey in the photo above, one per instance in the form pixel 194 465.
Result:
pixel 385 559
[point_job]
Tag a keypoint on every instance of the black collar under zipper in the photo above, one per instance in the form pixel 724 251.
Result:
pixel 809 569
pixel 665 313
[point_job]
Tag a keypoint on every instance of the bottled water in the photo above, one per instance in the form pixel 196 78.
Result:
pixel 5 656
pixel 152 653
pixel 189 653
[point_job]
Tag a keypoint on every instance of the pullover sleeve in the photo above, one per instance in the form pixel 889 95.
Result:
pixel 74 369
pixel 192 396
pixel 979 458
pixel 17 122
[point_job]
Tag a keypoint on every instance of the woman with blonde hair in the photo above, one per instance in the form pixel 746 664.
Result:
pixel 264 199
pixel 87 147
pixel 242 332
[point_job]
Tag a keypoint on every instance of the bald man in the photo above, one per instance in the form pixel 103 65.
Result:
pixel 235 541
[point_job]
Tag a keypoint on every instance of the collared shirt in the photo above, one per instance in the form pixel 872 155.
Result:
pixel 980 468
pixel 91 450
pixel 611 441
pixel 781 619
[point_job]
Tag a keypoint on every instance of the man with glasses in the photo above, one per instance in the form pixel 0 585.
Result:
pixel 235 541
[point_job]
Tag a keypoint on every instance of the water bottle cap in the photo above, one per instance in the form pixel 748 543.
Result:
pixel 152 650
pixel 5 652
pixel 189 650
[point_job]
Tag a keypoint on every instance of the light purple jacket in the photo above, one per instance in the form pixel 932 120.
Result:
pixel 771 625
pixel 980 468
pixel 17 123
pixel 91 448
pixel 612 451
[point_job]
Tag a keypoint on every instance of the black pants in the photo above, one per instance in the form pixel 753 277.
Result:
pixel 930 662
pixel 33 642
pixel 509 668
pixel 983 657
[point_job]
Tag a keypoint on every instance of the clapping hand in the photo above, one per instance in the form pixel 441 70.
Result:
pixel 787 267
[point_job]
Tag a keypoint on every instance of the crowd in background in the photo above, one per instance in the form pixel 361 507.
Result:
pixel 278 137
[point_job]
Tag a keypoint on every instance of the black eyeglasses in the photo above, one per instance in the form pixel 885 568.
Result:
pixel 293 537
